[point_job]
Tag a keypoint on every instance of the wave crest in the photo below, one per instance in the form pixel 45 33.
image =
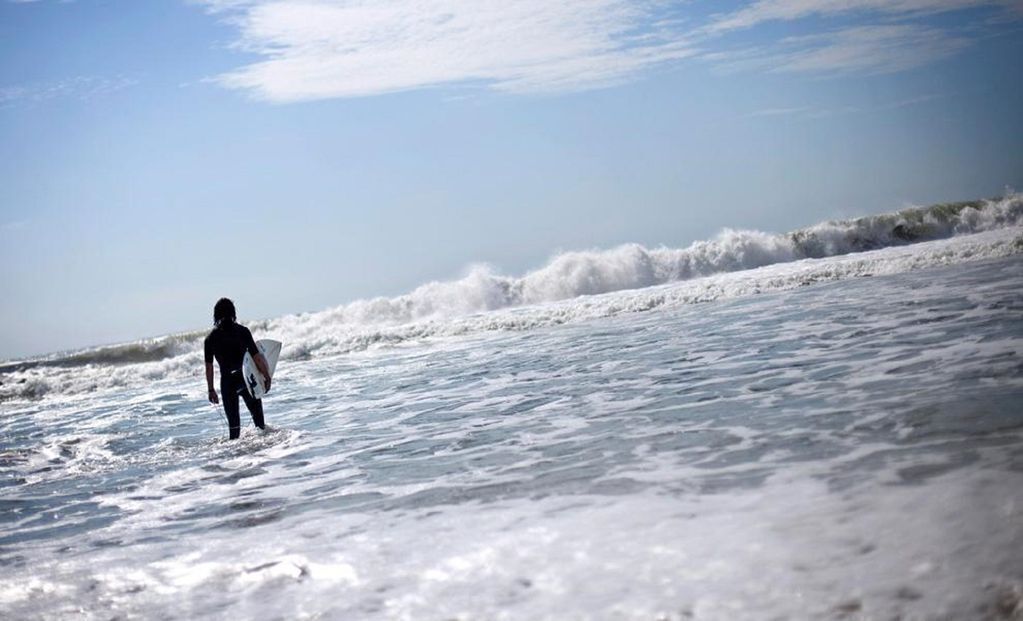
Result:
pixel 465 305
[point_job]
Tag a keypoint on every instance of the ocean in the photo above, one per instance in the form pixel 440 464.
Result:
pixel 823 424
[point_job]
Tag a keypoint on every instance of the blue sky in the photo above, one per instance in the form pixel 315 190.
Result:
pixel 298 155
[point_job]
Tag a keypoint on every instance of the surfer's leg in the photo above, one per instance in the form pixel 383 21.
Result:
pixel 229 395
pixel 255 409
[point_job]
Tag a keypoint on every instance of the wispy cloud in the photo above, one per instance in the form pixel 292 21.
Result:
pixel 886 36
pixel 777 112
pixel 861 49
pixel 824 113
pixel 788 10
pixel 320 49
pixel 13 225
pixel 316 49
pixel 79 87
pixel 912 101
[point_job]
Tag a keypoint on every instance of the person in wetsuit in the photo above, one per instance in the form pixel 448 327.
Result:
pixel 228 343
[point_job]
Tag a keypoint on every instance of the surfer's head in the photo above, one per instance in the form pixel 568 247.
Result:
pixel 223 312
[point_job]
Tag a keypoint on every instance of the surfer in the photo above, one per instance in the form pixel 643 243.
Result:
pixel 228 343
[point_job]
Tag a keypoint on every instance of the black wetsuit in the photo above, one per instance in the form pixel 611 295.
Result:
pixel 228 343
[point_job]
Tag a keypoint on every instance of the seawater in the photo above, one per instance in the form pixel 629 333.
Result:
pixel 839 437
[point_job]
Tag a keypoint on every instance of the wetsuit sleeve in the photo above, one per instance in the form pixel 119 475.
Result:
pixel 249 343
pixel 208 350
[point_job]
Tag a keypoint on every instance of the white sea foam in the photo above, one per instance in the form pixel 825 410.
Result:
pixel 839 451
pixel 572 286
pixel 791 548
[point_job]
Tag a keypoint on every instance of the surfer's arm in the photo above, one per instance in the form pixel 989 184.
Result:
pixel 263 367
pixel 209 384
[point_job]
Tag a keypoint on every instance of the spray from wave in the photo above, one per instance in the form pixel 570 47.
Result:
pixel 539 297
pixel 631 266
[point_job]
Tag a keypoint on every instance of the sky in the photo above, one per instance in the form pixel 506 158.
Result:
pixel 300 154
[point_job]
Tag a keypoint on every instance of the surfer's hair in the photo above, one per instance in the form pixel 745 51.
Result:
pixel 223 312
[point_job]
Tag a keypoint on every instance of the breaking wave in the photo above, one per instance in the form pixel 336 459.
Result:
pixel 560 291
pixel 631 266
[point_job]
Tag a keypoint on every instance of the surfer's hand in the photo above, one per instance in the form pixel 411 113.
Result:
pixel 214 399
pixel 268 384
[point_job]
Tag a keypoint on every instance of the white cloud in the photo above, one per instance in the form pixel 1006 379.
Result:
pixel 778 112
pixel 867 49
pixel 316 49
pixel 788 10
pixel 824 113
pixel 912 101
pixel 888 36
pixel 321 49
pixel 79 87
pixel 14 226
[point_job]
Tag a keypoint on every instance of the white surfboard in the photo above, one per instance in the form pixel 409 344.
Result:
pixel 255 383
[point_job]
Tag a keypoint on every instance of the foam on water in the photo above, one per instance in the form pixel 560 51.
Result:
pixel 571 287
pixel 737 446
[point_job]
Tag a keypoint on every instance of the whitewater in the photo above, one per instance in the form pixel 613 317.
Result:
pixel 825 423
